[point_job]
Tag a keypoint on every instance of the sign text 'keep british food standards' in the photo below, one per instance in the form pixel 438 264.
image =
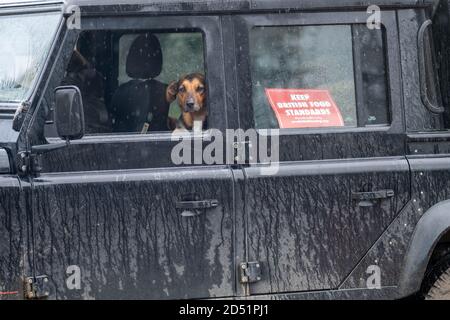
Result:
pixel 302 108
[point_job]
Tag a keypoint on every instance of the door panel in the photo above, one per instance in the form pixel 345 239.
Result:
pixel 305 229
pixel 106 205
pixel 302 224
pixel 125 234
pixel 14 237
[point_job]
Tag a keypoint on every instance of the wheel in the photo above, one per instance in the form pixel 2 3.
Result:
pixel 437 280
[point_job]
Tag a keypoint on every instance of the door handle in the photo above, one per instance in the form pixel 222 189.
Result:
pixel 367 199
pixel 196 208
pixel 203 204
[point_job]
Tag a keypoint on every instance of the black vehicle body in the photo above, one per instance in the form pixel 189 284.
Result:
pixel 108 203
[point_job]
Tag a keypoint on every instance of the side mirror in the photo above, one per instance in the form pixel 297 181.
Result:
pixel 69 116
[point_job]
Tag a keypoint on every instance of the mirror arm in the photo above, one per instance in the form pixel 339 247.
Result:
pixel 30 162
pixel 46 148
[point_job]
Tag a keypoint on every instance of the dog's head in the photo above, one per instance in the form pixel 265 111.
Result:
pixel 190 91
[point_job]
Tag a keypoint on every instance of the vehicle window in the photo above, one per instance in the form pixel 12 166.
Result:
pixel 173 45
pixel 182 54
pixel 25 41
pixel 318 76
pixel 431 77
pixel 125 78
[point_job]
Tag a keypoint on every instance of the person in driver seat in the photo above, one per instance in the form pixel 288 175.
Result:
pixel 82 74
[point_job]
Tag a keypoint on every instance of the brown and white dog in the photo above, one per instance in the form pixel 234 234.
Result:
pixel 190 92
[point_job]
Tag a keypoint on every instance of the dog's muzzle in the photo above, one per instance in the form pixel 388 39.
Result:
pixel 191 106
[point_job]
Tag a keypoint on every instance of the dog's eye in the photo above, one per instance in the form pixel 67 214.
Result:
pixel 182 89
pixel 200 89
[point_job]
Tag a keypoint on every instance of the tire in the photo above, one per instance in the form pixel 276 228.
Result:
pixel 437 281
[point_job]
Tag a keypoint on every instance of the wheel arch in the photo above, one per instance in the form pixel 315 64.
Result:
pixel 430 230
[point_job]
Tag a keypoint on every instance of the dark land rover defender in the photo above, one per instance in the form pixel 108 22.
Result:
pixel 352 95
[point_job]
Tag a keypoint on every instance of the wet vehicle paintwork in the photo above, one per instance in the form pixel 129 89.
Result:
pixel 123 230
pixel 15 236
pixel 70 218
pixel 305 217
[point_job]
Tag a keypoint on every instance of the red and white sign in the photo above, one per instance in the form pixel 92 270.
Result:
pixel 302 108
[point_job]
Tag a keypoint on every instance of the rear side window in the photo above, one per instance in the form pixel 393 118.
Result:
pixel 318 76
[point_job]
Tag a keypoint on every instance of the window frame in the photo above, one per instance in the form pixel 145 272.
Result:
pixel 209 26
pixel 392 60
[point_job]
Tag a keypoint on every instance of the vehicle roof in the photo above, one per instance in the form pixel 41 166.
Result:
pixel 123 6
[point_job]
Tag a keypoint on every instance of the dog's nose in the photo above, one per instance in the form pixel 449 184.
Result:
pixel 190 103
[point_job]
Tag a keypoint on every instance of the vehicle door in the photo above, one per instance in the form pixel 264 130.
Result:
pixel 330 87
pixel 115 215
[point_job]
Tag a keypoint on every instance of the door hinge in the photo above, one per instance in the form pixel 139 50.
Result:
pixel 242 154
pixel 250 272
pixel 36 288
pixel 28 163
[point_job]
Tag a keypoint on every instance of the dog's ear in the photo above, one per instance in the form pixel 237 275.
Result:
pixel 172 91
